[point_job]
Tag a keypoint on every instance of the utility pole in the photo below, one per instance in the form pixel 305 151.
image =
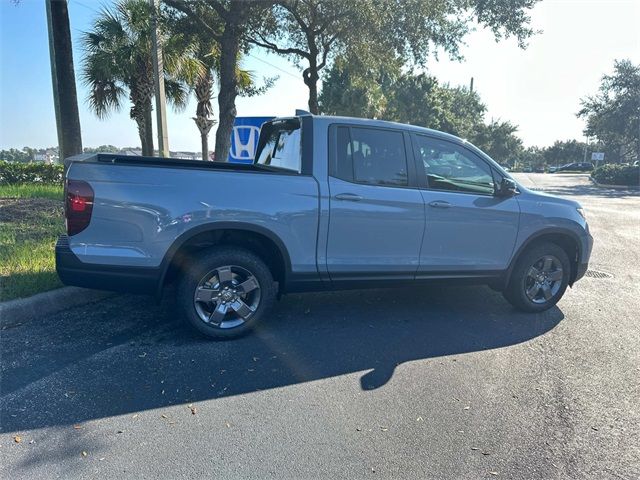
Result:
pixel 158 74
pixel 65 98
pixel 471 85
pixel 586 145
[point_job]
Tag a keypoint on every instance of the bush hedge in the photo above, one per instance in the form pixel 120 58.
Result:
pixel 44 173
pixel 612 174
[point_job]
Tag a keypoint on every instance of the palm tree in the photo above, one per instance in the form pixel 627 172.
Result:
pixel 206 51
pixel 118 62
pixel 203 88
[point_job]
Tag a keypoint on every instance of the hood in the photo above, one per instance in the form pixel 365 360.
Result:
pixel 534 195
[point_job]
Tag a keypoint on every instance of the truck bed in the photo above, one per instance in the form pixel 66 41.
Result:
pixel 170 162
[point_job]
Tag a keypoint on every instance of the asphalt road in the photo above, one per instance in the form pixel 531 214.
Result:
pixel 447 383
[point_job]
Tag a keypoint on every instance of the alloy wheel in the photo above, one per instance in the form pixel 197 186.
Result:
pixel 227 296
pixel 543 280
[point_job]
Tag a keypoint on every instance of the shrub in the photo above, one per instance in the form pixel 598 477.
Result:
pixel 617 175
pixel 14 172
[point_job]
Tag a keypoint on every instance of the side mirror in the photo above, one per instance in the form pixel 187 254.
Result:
pixel 507 188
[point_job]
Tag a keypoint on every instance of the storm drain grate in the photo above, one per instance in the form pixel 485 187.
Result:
pixel 597 274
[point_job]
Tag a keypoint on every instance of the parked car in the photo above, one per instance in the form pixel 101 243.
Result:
pixel 576 167
pixel 329 203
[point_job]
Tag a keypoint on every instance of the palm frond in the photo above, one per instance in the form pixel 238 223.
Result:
pixel 177 94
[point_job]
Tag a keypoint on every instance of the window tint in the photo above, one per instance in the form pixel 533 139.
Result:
pixel 450 167
pixel 343 167
pixel 378 157
pixel 279 146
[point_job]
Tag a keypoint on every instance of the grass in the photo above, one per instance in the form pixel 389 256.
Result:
pixel 33 190
pixel 31 218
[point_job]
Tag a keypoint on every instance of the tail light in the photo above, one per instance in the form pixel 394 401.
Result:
pixel 78 205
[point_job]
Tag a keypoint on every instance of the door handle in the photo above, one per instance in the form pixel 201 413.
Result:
pixel 439 204
pixel 352 197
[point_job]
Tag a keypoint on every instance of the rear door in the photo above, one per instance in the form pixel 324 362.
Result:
pixel 376 218
pixel 468 228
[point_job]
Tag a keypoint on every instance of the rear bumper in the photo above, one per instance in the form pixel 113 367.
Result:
pixel 72 271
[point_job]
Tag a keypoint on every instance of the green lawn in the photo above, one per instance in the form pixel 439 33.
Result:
pixel 32 190
pixel 31 218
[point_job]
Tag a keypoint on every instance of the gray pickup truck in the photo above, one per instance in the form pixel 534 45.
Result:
pixel 328 203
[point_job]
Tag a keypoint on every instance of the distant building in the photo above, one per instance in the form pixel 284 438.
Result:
pixel 186 155
pixel 47 156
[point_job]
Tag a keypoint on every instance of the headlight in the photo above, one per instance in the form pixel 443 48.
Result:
pixel 581 212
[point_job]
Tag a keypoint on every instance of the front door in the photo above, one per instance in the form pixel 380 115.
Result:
pixel 468 228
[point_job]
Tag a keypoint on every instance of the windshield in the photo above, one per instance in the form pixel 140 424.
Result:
pixel 279 145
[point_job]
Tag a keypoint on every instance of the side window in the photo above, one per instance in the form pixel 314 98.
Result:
pixel 452 168
pixel 379 157
pixel 371 156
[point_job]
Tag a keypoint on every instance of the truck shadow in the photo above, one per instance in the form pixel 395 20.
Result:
pixel 126 354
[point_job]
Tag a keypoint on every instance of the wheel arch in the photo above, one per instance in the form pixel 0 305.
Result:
pixel 260 240
pixel 564 238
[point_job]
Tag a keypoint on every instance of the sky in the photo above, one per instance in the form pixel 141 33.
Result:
pixel 538 88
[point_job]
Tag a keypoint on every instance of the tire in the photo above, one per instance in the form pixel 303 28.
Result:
pixel 225 291
pixel 539 279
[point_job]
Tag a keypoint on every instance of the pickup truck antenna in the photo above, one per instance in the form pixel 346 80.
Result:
pixel 300 113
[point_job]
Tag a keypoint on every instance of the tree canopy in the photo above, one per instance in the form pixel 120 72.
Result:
pixel 117 64
pixel 419 99
pixel 314 32
pixel 613 114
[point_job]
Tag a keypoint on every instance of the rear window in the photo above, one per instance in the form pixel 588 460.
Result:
pixel 279 145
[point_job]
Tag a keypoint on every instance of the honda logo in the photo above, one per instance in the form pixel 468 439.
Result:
pixel 244 141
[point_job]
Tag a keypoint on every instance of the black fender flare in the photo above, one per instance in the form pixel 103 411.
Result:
pixel 534 237
pixel 211 227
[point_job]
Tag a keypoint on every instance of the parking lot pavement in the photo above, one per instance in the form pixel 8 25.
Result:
pixel 414 383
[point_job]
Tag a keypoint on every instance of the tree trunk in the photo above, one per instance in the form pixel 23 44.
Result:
pixel 63 79
pixel 142 134
pixel 204 142
pixel 229 49
pixel 142 114
pixel 204 91
pixel 148 120
pixel 310 76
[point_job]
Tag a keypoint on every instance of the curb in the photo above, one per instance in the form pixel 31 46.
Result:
pixel 15 312
pixel 616 187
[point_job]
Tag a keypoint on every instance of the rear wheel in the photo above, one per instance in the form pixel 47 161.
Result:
pixel 539 278
pixel 225 291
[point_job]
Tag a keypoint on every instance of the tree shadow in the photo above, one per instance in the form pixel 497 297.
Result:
pixel 126 354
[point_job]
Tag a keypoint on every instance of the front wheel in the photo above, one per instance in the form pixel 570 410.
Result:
pixel 225 291
pixel 539 278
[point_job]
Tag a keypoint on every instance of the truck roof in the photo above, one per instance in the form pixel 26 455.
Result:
pixel 386 124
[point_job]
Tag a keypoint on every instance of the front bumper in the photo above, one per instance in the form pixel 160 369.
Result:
pixel 583 261
pixel 73 271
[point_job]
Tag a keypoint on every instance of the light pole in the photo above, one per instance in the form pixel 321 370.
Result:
pixel 584 158
pixel 158 74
